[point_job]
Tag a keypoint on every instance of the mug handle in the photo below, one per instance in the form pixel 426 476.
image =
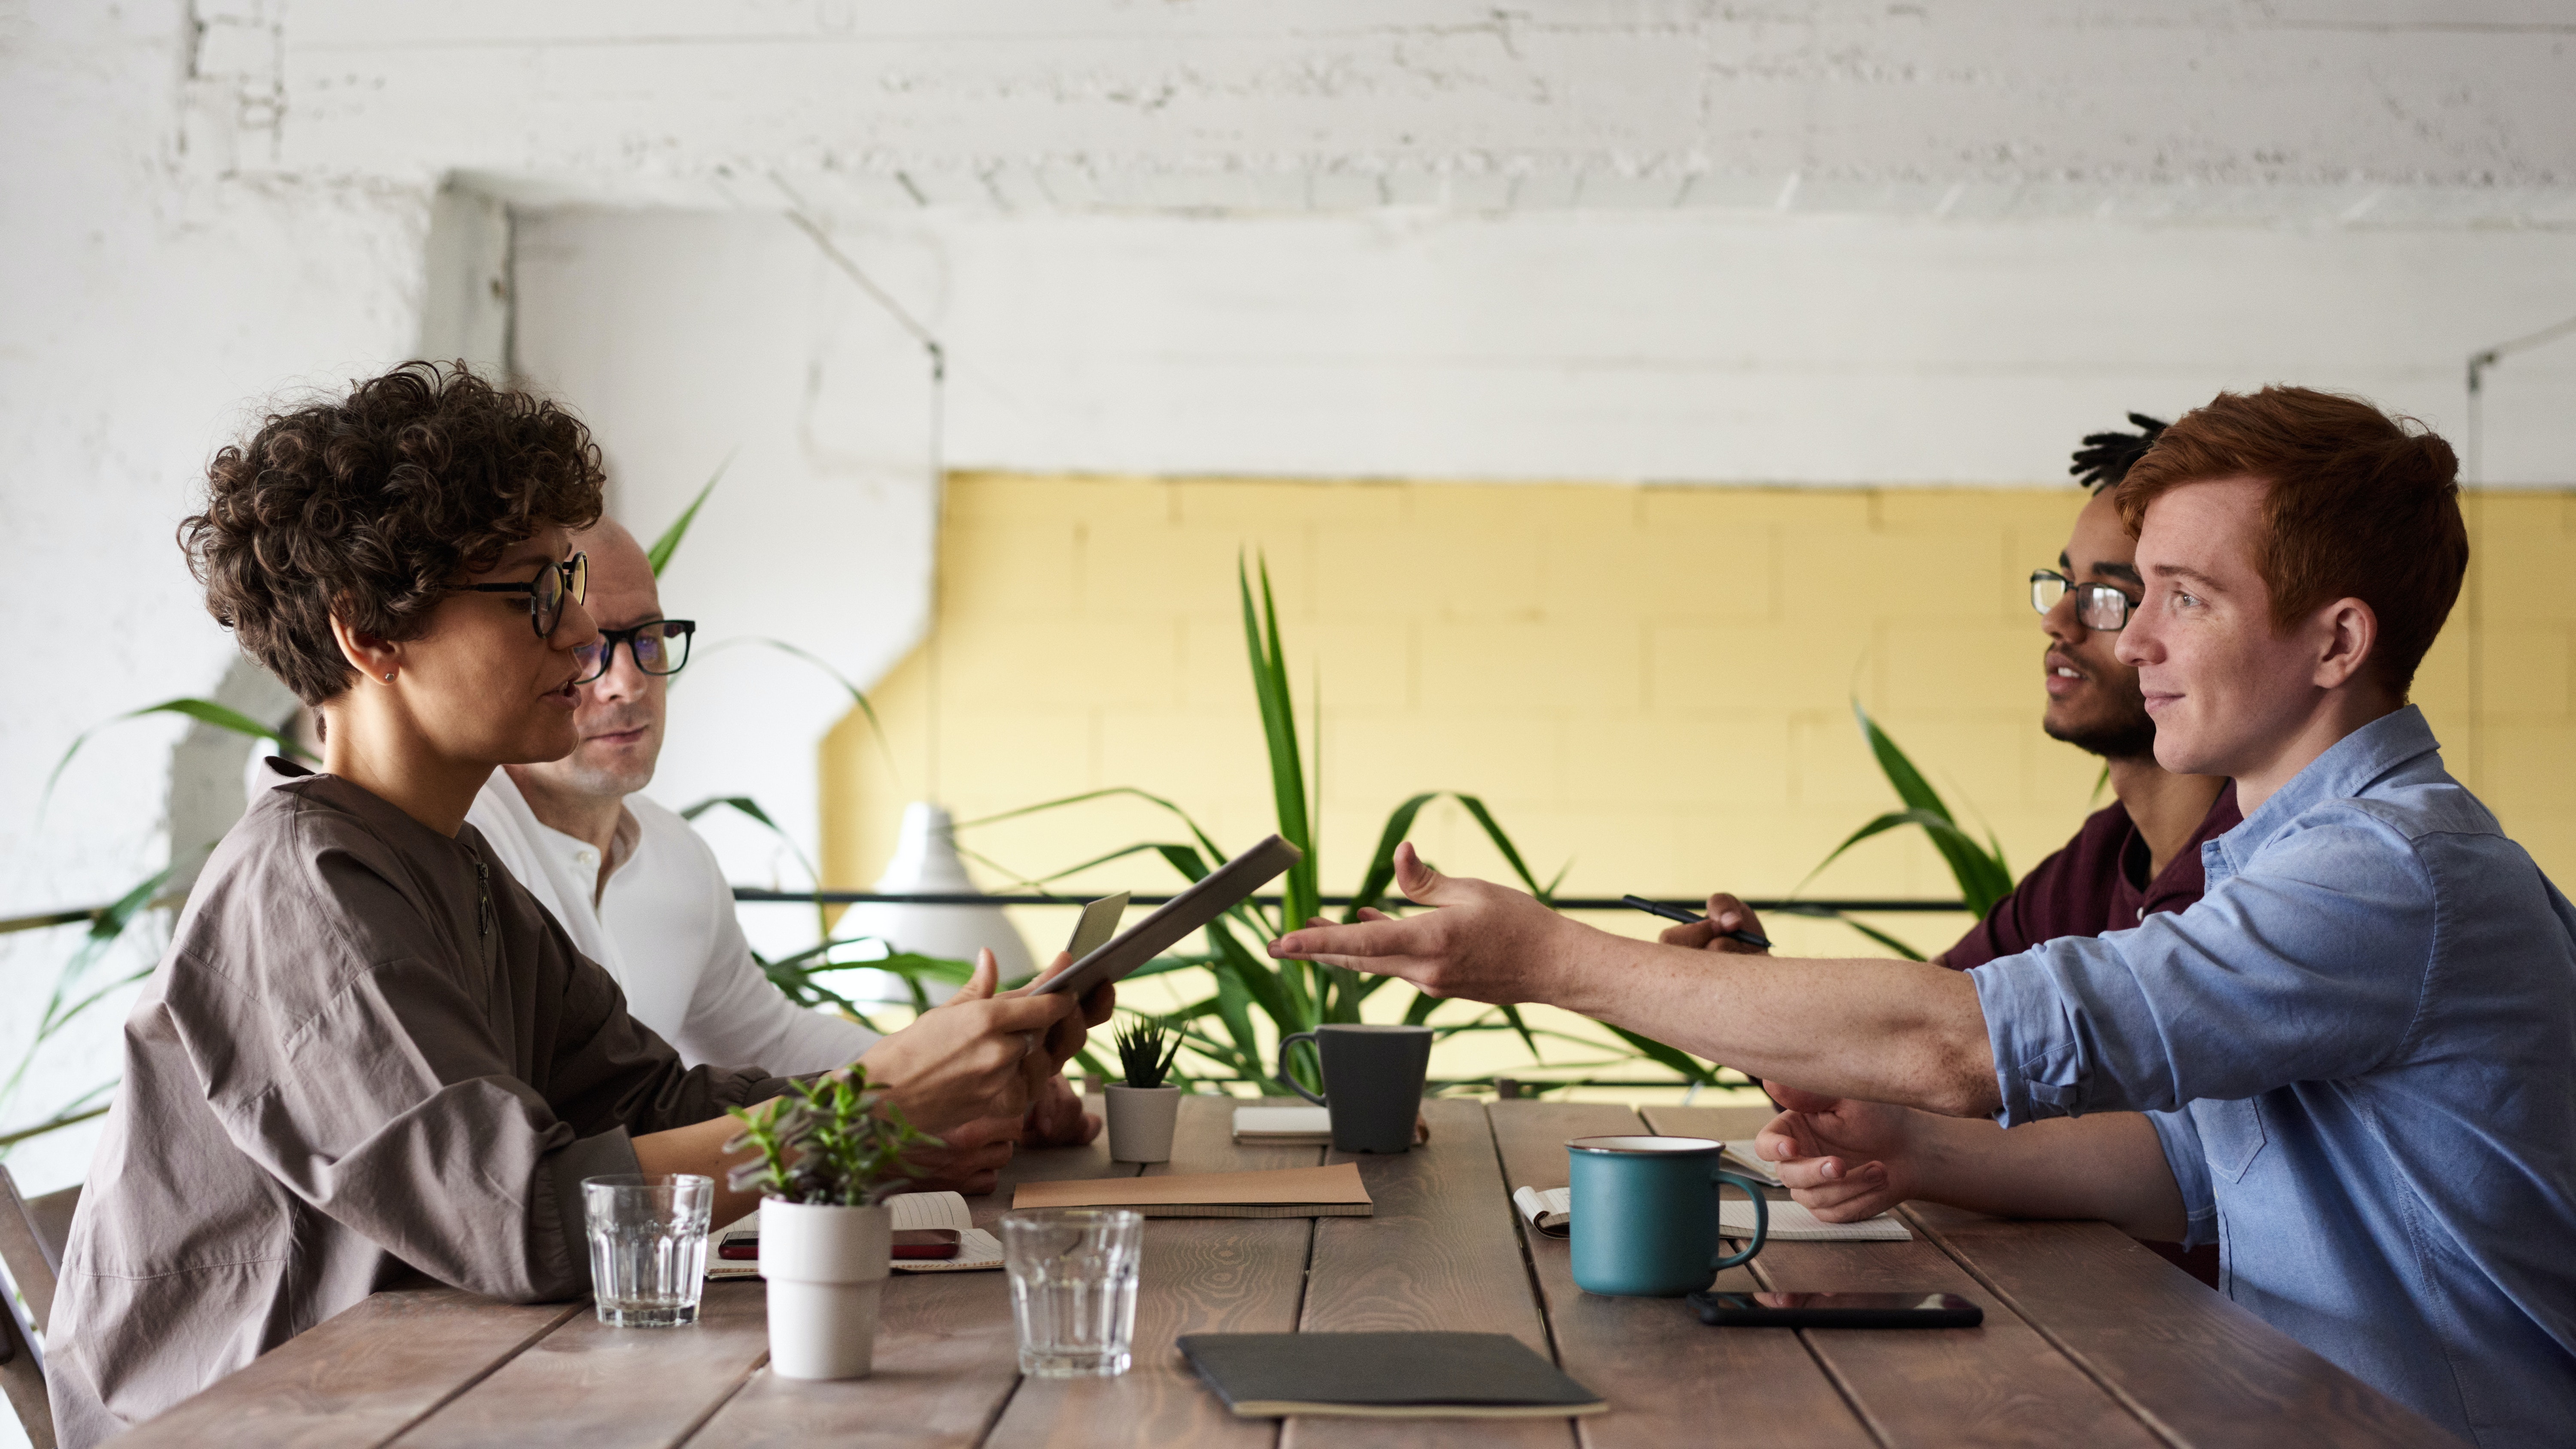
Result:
pixel 1717 1182
pixel 1290 1082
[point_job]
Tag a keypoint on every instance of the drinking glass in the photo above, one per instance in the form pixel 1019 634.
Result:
pixel 1073 1289
pixel 648 1246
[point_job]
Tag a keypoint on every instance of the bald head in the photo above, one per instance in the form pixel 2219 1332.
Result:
pixel 619 574
pixel 619 716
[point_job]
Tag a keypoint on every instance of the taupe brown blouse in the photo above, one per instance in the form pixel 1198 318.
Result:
pixel 367 1048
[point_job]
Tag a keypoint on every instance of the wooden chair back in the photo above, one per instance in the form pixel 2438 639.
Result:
pixel 32 1234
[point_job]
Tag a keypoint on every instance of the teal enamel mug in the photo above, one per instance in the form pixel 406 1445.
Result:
pixel 1646 1218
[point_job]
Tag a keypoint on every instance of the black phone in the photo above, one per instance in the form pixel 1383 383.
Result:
pixel 1836 1310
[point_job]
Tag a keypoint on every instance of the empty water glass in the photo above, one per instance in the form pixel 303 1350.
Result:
pixel 1073 1289
pixel 648 1246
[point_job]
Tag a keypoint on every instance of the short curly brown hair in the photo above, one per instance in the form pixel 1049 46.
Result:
pixel 375 505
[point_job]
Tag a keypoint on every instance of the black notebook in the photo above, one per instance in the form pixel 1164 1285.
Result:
pixel 1385 1376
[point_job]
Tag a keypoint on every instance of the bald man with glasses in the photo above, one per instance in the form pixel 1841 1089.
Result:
pixel 641 894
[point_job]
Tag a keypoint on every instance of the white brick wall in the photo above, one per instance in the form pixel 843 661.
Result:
pixel 1853 242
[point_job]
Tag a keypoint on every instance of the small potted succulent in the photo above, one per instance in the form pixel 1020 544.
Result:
pixel 830 1153
pixel 1143 1109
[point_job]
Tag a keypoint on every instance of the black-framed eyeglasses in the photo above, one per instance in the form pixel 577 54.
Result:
pixel 660 647
pixel 546 592
pixel 2097 606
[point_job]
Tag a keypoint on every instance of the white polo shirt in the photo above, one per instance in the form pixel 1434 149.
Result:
pixel 665 929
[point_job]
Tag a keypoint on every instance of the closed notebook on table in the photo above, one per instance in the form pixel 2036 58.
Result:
pixel 1288 1192
pixel 1385 1376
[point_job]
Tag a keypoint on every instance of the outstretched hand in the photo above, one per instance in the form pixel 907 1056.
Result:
pixel 1483 942
pixel 1842 1159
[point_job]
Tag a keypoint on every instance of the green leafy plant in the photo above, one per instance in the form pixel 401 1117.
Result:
pixel 205 711
pixel 799 974
pixel 659 555
pixel 1979 868
pixel 1146 1050
pixel 1224 1029
pixel 834 1141
pixel 75 992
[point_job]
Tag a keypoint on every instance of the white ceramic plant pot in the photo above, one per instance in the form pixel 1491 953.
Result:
pixel 1140 1123
pixel 826 1267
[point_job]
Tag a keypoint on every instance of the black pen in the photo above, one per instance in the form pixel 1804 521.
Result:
pixel 1689 918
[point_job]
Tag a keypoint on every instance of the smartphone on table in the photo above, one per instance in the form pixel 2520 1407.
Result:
pixel 937 1243
pixel 1836 1310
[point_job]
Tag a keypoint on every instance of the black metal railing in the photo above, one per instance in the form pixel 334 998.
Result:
pixel 755 895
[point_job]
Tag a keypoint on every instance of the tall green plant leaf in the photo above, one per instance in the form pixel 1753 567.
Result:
pixel 204 711
pixel 61 1007
pixel 746 806
pixel 1381 866
pixel 1681 1062
pixel 659 555
pixel 1279 732
pixel 1979 869
pixel 857 695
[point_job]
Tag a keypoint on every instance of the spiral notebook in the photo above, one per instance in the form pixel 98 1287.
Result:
pixel 912 1212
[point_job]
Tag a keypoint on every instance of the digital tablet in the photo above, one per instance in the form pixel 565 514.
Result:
pixel 1099 922
pixel 1212 896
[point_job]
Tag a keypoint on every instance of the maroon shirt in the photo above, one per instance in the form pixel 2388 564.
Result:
pixel 2099 883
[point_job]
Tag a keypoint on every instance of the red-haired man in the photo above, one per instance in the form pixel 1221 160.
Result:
pixel 2348 1064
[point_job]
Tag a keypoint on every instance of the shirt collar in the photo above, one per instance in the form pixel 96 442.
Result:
pixel 357 800
pixel 2348 768
pixel 622 842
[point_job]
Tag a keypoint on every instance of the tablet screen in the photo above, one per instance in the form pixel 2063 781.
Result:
pixel 1211 897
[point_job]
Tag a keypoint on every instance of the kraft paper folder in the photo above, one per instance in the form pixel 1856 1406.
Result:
pixel 1295 1192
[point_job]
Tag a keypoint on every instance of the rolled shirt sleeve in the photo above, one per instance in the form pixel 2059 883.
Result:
pixel 2315 961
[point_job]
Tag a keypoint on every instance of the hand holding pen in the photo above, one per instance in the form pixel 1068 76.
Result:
pixel 1735 921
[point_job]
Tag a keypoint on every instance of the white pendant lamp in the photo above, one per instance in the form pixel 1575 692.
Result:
pixel 925 863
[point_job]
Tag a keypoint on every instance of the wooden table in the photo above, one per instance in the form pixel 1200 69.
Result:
pixel 2088 1339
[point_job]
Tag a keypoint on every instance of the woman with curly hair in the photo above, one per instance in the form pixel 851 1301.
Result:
pixel 368 1050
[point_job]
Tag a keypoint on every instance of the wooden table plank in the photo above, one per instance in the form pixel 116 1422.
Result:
pixel 360 1377
pixel 2003 1383
pixel 588 1384
pixel 1667 1376
pixel 1442 1252
pixel 2195 1365
pixel 1200 1275
pixel 947 1358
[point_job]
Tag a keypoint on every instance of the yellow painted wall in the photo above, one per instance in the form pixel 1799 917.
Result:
pixel 1648 683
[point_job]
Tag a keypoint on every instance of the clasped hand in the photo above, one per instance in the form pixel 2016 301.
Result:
pixel 1841 1159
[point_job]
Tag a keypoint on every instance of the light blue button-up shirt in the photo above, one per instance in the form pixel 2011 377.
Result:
pixel 2360 1052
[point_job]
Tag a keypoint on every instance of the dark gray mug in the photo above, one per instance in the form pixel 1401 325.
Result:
pixel 1372 1081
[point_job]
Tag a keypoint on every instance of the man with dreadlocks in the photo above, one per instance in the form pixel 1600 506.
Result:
pixel 2141 853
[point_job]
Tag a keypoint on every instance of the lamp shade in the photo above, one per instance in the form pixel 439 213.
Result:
pixel 925 863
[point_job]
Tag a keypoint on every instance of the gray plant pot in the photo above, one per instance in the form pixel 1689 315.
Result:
pixel 1140 1123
